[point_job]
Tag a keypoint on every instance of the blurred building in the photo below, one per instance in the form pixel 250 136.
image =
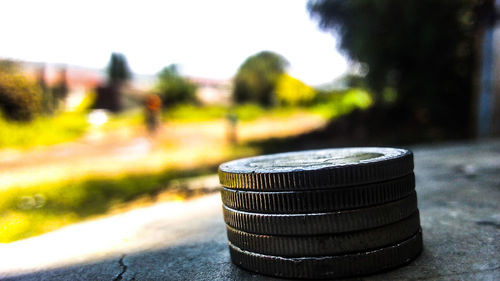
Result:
pixel 79 81
pixel 82 81
pixel 212 91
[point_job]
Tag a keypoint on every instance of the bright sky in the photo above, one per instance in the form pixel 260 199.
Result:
pixel 208 39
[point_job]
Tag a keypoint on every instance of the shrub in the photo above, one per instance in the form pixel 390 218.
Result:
pixel 20 99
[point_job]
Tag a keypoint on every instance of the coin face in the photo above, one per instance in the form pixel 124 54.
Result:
pixel 314 160
pixel 311 159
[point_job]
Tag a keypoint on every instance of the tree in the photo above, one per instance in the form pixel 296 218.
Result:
pixel 109 96
pixel 173 88
pixel 257 76
pixel 118 70
pixel 422 50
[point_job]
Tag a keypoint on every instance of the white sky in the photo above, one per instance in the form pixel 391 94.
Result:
pixel 208 39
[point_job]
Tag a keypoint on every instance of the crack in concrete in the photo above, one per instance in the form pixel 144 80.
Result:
pixel 124 269
pixel 489 223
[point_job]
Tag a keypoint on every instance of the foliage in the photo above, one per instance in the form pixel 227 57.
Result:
pixel 43 130
pixel 118 70
pixel 337 103
pixel 20 98
pixel 256 78
pixel 421 49
pixel 173 88
pixel 9 66
pixel 350 80
pixel 291 91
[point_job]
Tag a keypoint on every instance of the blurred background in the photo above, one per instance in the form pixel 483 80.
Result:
pixel 108 106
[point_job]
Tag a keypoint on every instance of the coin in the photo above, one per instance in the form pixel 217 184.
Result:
pixel 327 168
pixel 321 223
pixel 328 244
pixel 325 267
pixel 321 200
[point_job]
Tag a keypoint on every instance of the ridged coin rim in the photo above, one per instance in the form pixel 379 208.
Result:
pixel 326 267
pixel 321 223
pixel 321 200
pixel 328 244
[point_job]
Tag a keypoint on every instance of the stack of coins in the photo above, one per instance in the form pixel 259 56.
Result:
pixel 322 213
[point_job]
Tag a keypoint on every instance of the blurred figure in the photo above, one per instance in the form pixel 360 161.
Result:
pixel 232 120
pixel 152 112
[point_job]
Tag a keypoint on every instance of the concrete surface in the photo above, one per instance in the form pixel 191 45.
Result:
pixel 458 188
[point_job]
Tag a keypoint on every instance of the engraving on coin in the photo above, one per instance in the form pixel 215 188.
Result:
pixel 313 160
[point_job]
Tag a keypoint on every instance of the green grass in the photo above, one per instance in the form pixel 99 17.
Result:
pixel 245 112
pixel 331 106
pixel 193 113
pixel 28 211
pixel 44 130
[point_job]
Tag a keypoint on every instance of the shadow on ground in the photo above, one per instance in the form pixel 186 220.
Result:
pixel 209 260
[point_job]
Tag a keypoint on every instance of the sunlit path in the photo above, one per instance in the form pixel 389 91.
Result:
pixel 178 145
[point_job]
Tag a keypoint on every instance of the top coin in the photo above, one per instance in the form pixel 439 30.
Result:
pixel 313 169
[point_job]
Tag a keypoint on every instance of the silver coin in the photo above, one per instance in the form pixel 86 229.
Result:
pixel 316 168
